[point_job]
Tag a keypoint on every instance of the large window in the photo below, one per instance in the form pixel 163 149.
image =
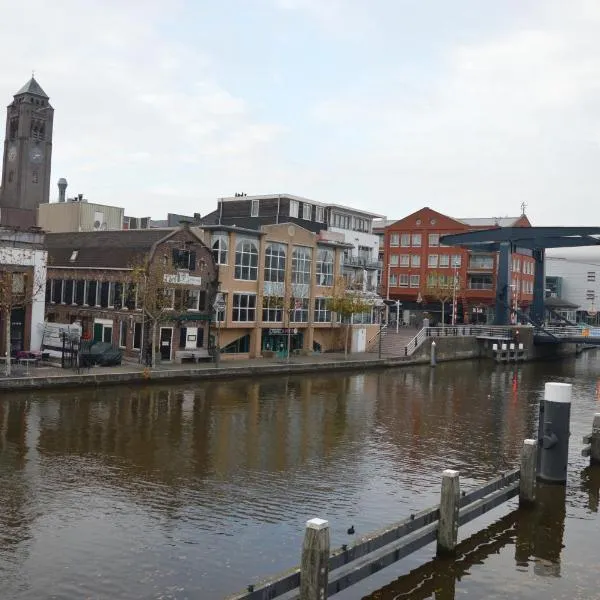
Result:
pixel 432 260
pixel 324 267
pixel 219 249
pixel 184 259
pixel 191 299
pixel 415 260
pixel 300 310
pixel 246 260
pixel 416 240
pixel 272 309
pixel 444 260
pixel 405 239
pixel 434 239
pixel 322 314
pixel 301 259
pixel 415 281
pixel 319 214
pixel 395 239
pixel 404 280
pixel 275 263
pixel 405 260
pixel 394 260
pixel 294 206
pixel 244 307
pixel 306 211
pixel 481 282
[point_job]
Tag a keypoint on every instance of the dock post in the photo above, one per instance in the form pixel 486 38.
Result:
pixel 555 434
pixel 528 472
pixel 314 568
pixel 433 344
pixel 449 505
pixel 595 441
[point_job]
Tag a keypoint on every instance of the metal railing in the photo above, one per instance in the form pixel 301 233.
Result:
pixel 361 261
pixel 567 332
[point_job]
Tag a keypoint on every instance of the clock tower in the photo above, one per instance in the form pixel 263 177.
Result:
pixel 27 149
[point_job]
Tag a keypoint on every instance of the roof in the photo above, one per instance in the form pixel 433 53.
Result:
pixel 554 302
pixel 383 223
pixel 218 228
pixel 32 87
pixel 117 249
pixel 491 221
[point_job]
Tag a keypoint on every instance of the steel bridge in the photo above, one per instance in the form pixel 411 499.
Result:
pixel 531 241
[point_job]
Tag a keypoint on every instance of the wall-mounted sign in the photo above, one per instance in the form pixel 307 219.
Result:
pixel 182 278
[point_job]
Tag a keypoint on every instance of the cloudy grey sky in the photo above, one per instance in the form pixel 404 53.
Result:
pixel 470 106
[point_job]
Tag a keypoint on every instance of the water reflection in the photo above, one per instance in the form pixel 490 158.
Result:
pixel 590 483
pixel 147 483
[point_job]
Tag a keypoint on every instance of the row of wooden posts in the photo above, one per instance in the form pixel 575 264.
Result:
pixel 323 573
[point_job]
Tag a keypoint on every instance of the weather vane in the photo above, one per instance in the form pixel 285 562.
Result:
pixel 523 207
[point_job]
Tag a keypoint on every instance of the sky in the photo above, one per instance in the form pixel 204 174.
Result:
pixel 471 107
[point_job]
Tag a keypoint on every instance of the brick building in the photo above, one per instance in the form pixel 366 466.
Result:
pixel 90 281
pixel 413 255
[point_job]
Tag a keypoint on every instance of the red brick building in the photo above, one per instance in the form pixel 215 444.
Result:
pixel 412 255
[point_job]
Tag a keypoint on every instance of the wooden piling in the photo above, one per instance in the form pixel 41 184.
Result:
pixel 595 441
pixel 314 568
pixel 528 473
pixel 449 505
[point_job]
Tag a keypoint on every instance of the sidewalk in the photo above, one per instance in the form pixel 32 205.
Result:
pixel 53 376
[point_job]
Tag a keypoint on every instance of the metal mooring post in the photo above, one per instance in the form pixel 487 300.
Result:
pixel 555 433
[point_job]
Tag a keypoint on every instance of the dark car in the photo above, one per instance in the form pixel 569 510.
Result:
pixel 100 353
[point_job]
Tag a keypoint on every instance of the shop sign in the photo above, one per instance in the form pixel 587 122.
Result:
pixel 281 331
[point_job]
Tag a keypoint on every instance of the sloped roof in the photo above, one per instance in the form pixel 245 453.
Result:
pixel 491 221
pixel 117 249
pixel 32 87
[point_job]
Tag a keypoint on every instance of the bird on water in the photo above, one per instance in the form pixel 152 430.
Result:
pixel 351 530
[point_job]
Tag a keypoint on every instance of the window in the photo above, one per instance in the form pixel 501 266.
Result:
pixel 395 239
pixel 244 307
pixel 57 285
pixel 294 208
pixel 169 299
pixel 219 249
pixel 34 177
pixel 404 280
pixel 456 260
pixel 324 267
pixel 319 214
pixel 444 260
pixel 184 259
pixel 306 211
pixel 74 255
pixel 246 260
pixel 130 296
pixel 394 258
pixel 341 221
pixel 432 260
pixel 590 295
pixel 405 240
pixel 415 281
pixel 300 310
pixel 272 309
pixel 322 314
pixel 122 334
pixel 275 263
pixel 393 280
pixel 254 208
pixel 238 346
pixel 481 262
pixel 92 293
pixel 191 299
pixel 137 336
pixel 434 239
pixel 301 259
pixel 80 292
pixel 416 240
pixel 591 276
pixel 481 282
pixel 111 294
pixel 415 260
pixel 68 286
pixel 405 260
pixel 104 287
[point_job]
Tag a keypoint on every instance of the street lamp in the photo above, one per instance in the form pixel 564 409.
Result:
pixel 454 292
pixel 398 305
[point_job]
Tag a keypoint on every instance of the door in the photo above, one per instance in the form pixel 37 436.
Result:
pixel 166 333
pixel 98 329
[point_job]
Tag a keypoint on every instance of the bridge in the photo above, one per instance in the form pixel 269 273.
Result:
pixel 573 335
pixel 532 241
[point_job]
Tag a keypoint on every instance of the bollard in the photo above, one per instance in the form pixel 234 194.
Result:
pixel 555 434
pixel 433 353
pixel 527 475
pixel 449 505
pixel 314 568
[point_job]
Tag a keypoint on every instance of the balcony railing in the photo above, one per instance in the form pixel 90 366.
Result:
pixel 361 261
pixel 480 286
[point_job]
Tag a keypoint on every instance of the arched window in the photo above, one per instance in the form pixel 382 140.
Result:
pixel 219 249
pixel 301 259
pixel 246 260
pixel 324 271
pixel 275 263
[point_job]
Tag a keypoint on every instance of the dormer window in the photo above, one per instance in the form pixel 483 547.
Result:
pixel 74 255
pixel 254 208
pixel 306 211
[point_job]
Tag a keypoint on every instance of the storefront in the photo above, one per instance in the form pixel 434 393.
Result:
pixel 276 340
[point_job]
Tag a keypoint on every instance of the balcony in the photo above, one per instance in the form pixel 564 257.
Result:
pixel 362 262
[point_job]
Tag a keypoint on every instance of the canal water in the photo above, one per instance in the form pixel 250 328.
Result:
pixel 197 490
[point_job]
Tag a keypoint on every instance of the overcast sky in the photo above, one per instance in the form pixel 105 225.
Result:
pixel 470 107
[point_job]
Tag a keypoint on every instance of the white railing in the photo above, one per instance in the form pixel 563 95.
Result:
pixel 457 331
pixel 571 331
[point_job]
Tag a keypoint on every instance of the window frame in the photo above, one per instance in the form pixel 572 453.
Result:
pixel 250 269
pixel 254 207
pixel 274 269
pixel 239 309
pixel 220 247
pixel 324 268
pixel 321 313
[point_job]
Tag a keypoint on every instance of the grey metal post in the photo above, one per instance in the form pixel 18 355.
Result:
pixel 433 363
pixel 449 506
pixel 555 441
pixel 314 568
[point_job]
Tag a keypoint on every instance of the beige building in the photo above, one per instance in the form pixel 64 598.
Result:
pixel 79 215
pixel 275 282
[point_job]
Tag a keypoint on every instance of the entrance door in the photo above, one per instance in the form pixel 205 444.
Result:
pixel 166 333
pixel 98 329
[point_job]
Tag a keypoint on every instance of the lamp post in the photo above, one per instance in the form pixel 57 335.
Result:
pixel 398 305
pixel 454 282
pixel 381 313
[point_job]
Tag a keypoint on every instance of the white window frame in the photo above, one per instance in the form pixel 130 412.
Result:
pixel 393 280
pixel 187 294
pixel 121 324
pixel 405 260
pixel 415 261
pixel 432 261
pixel 404 279
pixel 405 240
pixel 249 269
pixel 294 208
pixel 300 315
pixel 321 314
pixel 325 267
pixel 456 261
pixel 444 261
pixel 307 211
pixel 395 240
pixel 272 309
pixel 220 246
pixel 416 240
pixel 394 260
pixel 319 214
pixel 301 258
pixel 275 252
pixel 254 208
pixel 433 239
pixel 415 281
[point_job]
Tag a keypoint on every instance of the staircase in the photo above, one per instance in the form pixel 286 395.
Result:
pixel 392 343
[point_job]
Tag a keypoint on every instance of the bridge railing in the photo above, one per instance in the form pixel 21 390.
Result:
pixel 570 331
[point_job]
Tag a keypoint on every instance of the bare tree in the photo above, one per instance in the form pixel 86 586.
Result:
pixel 441 288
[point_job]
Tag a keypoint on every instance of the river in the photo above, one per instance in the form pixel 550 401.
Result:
pixel 197 490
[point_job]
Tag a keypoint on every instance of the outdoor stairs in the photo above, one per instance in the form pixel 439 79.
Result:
pixel 392 343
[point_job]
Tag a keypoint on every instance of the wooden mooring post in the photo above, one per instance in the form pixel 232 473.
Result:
pixel 314 568
pixel 528 473
pixel 449 507
pixel 592 449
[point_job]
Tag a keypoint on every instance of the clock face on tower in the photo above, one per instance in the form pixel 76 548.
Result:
pixel 12 153
pixel 36 155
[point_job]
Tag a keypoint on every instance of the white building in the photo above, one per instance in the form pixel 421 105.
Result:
pixel 23 254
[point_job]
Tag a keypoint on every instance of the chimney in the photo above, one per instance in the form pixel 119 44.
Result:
pixel 62 189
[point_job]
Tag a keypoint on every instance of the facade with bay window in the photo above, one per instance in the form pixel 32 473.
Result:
pixel 275 282
pixel 103 290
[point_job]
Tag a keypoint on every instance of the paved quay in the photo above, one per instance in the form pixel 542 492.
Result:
pixel 44 376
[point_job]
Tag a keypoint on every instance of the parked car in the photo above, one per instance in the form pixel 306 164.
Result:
pixel 100 353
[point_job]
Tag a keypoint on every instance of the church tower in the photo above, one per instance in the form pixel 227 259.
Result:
pixel 27 149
